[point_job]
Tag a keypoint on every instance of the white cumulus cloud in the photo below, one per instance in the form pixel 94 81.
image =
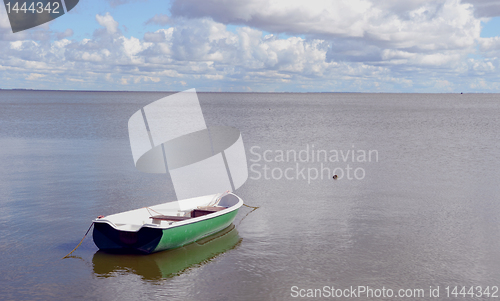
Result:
pixel 358 45
pixel 107 22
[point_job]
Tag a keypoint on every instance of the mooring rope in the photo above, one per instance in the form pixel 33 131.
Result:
pixel 253 209
pixel 148 209
pixel 80 241
pixel 250 206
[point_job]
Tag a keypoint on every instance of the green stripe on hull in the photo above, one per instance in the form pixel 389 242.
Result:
pixel 182 235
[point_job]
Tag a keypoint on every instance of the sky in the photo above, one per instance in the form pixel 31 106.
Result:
pixel 421 46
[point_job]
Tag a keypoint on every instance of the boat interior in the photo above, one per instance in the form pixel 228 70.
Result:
pixel 169 213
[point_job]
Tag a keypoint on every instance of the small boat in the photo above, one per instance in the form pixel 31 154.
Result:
pixel 166 226
pixel 170 135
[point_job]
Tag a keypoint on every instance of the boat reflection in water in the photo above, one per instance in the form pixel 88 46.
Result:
pixel 167 263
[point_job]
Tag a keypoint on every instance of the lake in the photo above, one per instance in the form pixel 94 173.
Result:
pixel 415 208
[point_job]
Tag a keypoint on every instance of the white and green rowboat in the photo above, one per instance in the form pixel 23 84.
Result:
pixel 166 226
pixel 170 135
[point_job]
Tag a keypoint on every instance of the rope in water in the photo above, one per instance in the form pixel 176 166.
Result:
pixel 253 209
pixel 251 206
pixel 80 241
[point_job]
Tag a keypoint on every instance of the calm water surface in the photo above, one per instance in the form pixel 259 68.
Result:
pixel 421 212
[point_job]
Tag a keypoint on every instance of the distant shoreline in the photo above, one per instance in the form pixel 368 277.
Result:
pixel 234 92
pixel 45 90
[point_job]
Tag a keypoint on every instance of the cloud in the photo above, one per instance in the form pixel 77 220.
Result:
pixel 485 8
pixel 67 33
pixel 116 3
pixel 191 51
pixel 107 22
pixel 34 76
pixel 416 34
pixel 159 19
pixel 417 23
pixel 385 47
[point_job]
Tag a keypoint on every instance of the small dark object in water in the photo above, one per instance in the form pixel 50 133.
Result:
pixel 335 177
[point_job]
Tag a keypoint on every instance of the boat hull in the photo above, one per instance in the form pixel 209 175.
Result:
pixel 149 240
pixel 168 263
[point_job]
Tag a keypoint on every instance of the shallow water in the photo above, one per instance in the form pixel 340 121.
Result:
pixel 421 212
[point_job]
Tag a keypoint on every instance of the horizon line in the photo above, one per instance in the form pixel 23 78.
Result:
pixel 245 92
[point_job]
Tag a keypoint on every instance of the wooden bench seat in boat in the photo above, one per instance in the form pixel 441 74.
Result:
pixel 205 210
pixel 173 218
pixel 194 213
